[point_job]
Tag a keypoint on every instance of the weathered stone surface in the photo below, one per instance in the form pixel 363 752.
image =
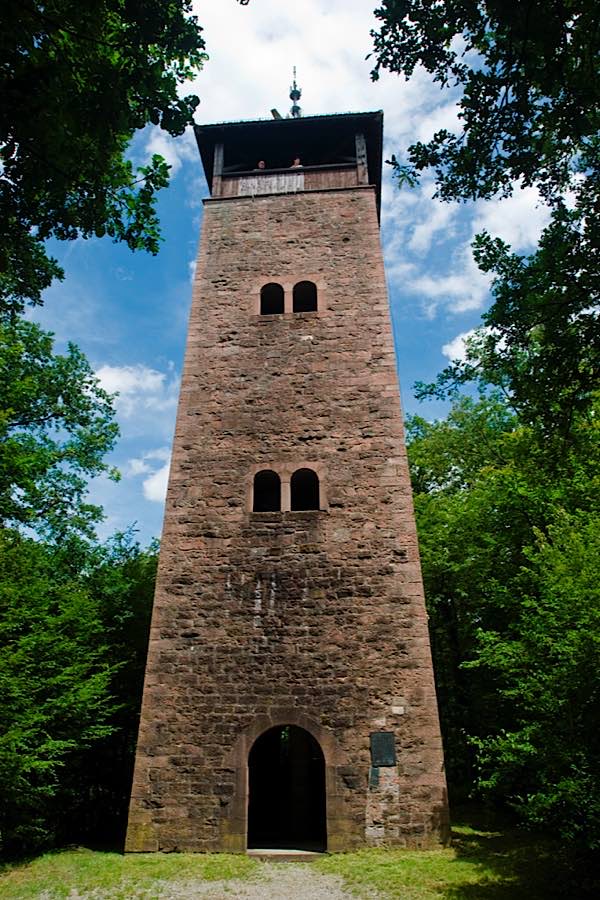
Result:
pixel 313 618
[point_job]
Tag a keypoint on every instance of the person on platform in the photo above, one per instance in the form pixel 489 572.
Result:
pixel 296 164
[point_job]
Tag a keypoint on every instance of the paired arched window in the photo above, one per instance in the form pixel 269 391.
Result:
pixel 271 299
pixel 304 491
pixel 305 297
pixel 267 492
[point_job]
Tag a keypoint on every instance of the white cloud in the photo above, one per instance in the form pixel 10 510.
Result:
pixel 258 45
pixel 142 465
pixel 155 486
pixel 418 235
pixel 435 217
pixel 458 292
pixel 423 258
pixel 518 219
pixel 455 350
pixel 146 403
pixel 399 208
pixel 137 466
pixel 440 117
pixel 463 288
pixel 174 150
pixel 252 51
pixel 140 389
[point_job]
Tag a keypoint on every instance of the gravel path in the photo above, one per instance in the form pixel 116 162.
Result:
pixel 275 881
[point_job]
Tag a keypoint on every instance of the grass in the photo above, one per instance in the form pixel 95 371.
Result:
pixel 73 873
pixel 484 862
pixel 487 861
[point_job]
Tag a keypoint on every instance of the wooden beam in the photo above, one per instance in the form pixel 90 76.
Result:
pixel 215 189
pixel 362 170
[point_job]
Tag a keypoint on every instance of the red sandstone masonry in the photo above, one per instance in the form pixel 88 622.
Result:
pixel 310 618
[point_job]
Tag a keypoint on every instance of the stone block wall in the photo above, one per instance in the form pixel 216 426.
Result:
pixel 311 618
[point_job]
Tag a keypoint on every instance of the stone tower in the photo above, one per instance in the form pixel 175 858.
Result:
pixel 289 697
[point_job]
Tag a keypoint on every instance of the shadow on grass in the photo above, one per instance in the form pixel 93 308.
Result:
pixel 523 865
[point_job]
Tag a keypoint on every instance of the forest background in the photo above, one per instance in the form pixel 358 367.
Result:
pixel 506 485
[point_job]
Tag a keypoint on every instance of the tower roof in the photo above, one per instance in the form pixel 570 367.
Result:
pixel 317 140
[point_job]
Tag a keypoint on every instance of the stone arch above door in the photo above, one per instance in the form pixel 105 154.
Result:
pixel 238 754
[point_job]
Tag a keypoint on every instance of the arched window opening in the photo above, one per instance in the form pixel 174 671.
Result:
pixel 271 299
pixel 267 492
pixel 305 297
pixel 305 490
pixel 286 800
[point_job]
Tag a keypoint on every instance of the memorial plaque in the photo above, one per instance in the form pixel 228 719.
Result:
pixel 383 749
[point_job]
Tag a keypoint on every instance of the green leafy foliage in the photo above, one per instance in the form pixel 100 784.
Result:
pixel 56 425
pixel 78 78
pixel 530 95
pixel 546 665
pixel 508 531
pixel 540 342
pixel 74 615
pixel 54 680
pixel 121 577
pixel 528 86
pixel 74 623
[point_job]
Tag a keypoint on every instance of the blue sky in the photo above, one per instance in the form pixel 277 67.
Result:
pixel 128 312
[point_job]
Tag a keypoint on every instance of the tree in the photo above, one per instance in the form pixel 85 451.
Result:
pixel 74 616
pixel 74 622
pixel 78 78
pixel 529 107
pixel 547 760
pixel 121 576
pixel 530 95
pixel 56 425
pixel 473 520
pixel 540 341
pixel 508 532
pixel 54 680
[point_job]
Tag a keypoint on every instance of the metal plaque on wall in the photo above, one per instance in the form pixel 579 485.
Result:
pixel 383 748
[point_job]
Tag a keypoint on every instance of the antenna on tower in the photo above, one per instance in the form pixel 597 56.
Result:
pixel 295 94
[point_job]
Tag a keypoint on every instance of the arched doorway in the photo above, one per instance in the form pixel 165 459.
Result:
pixel 286 801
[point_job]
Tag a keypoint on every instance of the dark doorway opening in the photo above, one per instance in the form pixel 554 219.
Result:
pixel 286 803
